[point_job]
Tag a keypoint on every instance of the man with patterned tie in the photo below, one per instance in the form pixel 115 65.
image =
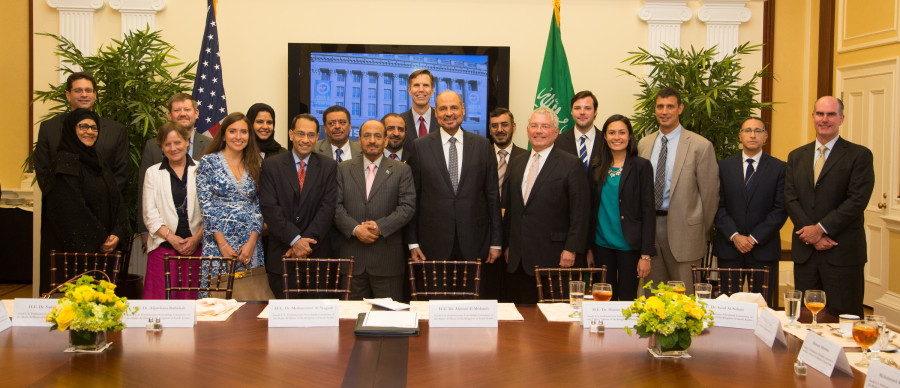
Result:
pixel 297 194
pixel 376 198
pixel 686 188
pixel 751 207
pixel 420 118
pixel 337 144
pixel 584 140
pixel 395 127
pixel 827 187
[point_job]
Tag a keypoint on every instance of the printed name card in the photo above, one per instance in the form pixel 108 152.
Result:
pixel 303 313
pixel 768 328
pixel 171 313
pixel 462 313
pixel 32 312
pixel 5 323
pixel 609 312
pixel 824 355
pixel 737 315
pixel 882 376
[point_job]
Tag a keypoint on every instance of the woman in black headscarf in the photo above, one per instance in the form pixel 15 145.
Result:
pixel 262 121
pixel 82 203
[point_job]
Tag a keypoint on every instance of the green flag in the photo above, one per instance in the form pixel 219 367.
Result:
pixel 554 89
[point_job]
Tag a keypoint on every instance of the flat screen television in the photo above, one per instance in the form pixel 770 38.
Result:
pixel 370 80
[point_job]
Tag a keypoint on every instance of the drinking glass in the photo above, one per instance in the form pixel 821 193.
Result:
pixel 703 290
pixel 576 296
pixel 815 302
pixel 677 286
pixel 865 333
pixel 601 292
pixel 875 353
pixel 792 307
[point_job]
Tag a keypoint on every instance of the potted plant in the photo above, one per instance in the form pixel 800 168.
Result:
pixel 88 311
pixel 669 319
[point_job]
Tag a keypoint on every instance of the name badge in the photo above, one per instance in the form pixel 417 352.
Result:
pixel 609 312
pixel 303 313
pixel 824 355
pixel 462 313
pixel 5 323
pixel 768 328
pixel 171 313
pixel 32 312
pixel 737 315
pixel 882 376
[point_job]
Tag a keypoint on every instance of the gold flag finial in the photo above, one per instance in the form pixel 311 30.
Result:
pixel 556 11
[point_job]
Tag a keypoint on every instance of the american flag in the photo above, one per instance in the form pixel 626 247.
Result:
pixel 209 91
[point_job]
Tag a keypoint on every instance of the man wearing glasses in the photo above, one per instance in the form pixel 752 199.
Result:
pixel 337 144
pixel 751 207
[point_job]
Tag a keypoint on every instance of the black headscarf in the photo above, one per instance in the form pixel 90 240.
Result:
pixel 268 145
pixel 69 142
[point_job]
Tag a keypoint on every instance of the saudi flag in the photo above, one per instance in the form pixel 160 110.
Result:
pixel 554 89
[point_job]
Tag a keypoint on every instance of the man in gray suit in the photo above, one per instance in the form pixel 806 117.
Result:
pixel 182 110
pixel 686 188
pixel 376 197
pixel 337 144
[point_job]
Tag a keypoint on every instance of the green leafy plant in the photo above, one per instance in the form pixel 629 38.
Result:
pixel 672 316
pixel 89 306
pixel 715 99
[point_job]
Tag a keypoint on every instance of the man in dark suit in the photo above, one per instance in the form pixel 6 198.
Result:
pixel 584 140
pixel 337 144
pixel 376 197
pixel 297 194
pixel 458 205
pixel 546 223
pixel 751 207
pixel 396 147
pixel 420 118
pixel 827 188
pixel 182 110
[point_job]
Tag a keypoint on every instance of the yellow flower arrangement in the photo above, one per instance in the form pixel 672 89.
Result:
pixel 89 306
pixel 672 316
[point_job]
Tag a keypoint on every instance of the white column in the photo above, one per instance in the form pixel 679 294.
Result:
pixel 723 19
pixel 664 18
pixel 76 23
pixel 137 15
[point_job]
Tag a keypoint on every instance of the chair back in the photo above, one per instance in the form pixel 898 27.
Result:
pixel 306 277
pixel 184 276
pixel 553 283
pixel 441 279
pixel 731 280
pixel 66 265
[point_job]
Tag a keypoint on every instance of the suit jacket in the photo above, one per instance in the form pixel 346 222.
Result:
pixel 323 147
pixel 290 212
pixel 112 147
pixel 757 209
pixel 412 127
pixel 153 155
pixel 472 213
pixel 636 205
pixel 516 151
pixel 694 194
pixel 566 142
pixel 553 219
pixel 391 204
pixel 158 208
pixel 837 200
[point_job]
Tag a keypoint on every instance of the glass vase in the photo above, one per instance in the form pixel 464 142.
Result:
pixel 659 351
pixel 83 340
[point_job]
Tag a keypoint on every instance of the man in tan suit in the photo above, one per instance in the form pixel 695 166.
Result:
pixel 686 189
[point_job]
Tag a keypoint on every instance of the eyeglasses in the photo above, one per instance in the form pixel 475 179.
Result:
pixel 86 127
pixel 756 131
pixel 333 122
pixel 80 90
pixel 503 125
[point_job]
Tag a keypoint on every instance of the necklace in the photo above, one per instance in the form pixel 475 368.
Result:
pixel 615 173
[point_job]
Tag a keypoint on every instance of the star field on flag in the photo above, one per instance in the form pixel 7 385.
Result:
pixel 209 91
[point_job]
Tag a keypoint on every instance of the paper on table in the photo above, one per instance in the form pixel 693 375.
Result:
pixel 751 297
pixel 400 319
pixel 557 312
pixel 9 304
pixel 387 303
pixel 505 311
pixel 216 310
pixel 347 309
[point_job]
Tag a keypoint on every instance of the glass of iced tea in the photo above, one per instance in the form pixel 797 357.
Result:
pixel 865 333
pixel 677 286
pixel 815 302
pixel 601 292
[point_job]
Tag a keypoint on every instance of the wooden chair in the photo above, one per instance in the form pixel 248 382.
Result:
pixel 183 276
pixel 317 277
pixel 553 283
pixel 74 264
pixel 441 279
pixel 731 280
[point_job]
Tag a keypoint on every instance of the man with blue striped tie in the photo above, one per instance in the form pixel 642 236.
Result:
pixel 337 144
pixel 582 141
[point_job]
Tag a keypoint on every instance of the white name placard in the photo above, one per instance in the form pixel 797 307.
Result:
pixel 609 312
pixel 882 376
pixel 5 323
pixel 737 315
pixel 303 313
pixel 462 313
pixel 768 328
pixel 171 313
pixel 823 355
pixel 32 312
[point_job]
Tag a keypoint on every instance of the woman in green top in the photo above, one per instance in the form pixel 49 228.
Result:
pixel 623 213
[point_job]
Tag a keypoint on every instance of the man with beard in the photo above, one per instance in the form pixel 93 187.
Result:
pixel 337 144
pixel 584 140
pixel 395 127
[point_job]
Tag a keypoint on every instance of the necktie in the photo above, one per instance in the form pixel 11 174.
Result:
pixel 393 156
pixel 370 177
pixel 301 174
pixel 454 165
pixel 422 130
pixel 532 175
pixel 659 181
pixel 337 155
pixel 501 167
pixel 582 152
pixel 819 163
pixel 750 171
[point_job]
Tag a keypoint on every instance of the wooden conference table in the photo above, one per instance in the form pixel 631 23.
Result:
pixel 243 351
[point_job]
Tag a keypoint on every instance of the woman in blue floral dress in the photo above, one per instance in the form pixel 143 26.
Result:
pixel 227 192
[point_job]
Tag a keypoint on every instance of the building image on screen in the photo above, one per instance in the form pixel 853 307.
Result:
pixel 372 85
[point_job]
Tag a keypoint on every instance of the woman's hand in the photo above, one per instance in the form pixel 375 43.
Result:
pixel 226 250
pixel 245 253
pixel 110 244
pixel 189 245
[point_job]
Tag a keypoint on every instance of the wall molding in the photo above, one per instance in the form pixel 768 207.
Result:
pixel 664 18
pixel 137 14
pixel 845 43
pixel 723 19
pixel 76 23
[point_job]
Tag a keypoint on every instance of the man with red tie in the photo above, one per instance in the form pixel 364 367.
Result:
pixel 420 118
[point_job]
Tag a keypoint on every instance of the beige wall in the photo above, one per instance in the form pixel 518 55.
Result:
pixel 15 96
